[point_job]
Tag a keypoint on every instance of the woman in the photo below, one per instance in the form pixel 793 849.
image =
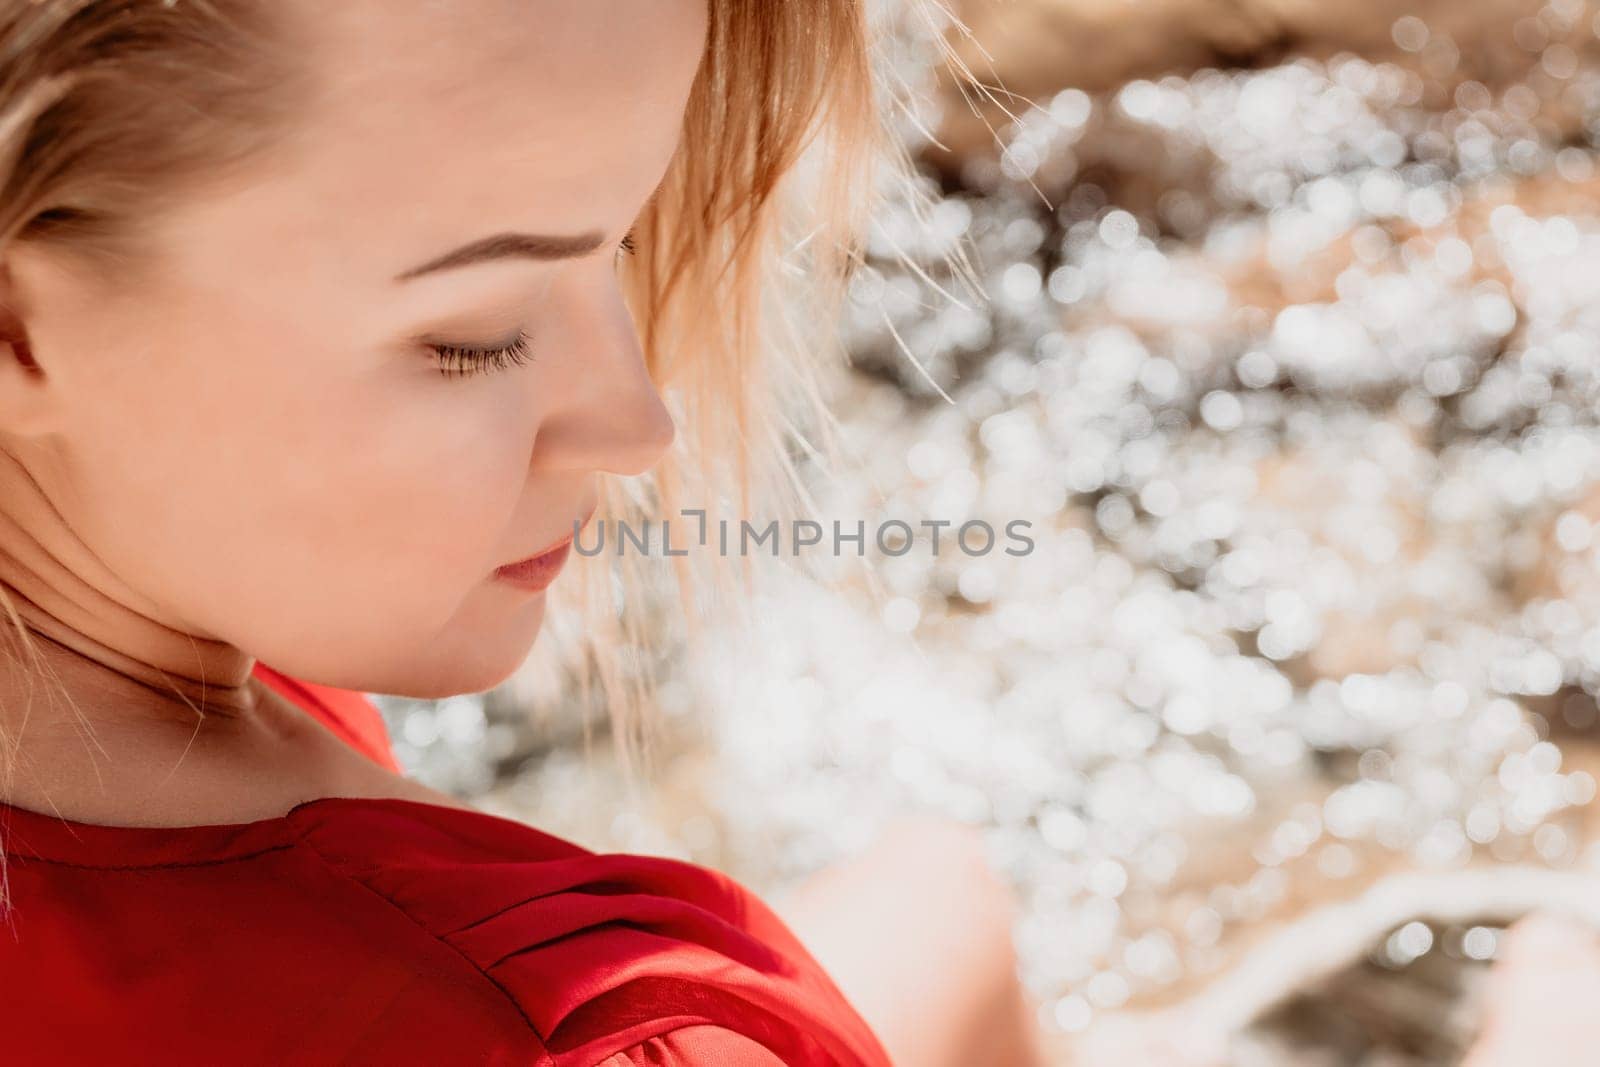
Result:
pixel 320 325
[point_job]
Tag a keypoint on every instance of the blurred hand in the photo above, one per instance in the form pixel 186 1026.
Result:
pixel 1542 997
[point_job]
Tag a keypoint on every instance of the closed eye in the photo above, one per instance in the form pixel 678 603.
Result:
pixel 460 361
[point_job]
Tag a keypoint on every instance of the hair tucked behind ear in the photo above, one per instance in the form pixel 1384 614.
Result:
pixel 112 110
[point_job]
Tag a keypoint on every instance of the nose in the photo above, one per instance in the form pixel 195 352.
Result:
pixel 605 411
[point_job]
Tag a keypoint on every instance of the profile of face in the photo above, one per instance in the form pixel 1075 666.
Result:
pixel 260 438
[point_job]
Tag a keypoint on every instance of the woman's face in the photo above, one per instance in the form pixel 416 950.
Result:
pixel 257 437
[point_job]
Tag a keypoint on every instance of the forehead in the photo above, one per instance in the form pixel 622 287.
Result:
pixel 430 124
pixel 541 79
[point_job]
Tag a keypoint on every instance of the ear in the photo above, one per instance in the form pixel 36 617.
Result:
pixel 28 397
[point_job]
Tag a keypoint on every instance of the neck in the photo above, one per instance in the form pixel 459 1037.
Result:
pixel 98 631
pixel 211 680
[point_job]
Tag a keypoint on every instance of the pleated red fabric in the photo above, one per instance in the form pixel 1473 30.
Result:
pixel 356 930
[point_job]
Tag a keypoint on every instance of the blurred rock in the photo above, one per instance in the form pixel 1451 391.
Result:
pixel 1035 48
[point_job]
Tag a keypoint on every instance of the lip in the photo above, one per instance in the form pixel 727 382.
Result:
pixel 537 572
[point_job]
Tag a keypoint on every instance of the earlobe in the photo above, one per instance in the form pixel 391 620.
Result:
pixel 25 399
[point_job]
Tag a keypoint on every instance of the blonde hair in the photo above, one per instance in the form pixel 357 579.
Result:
pixel 111 110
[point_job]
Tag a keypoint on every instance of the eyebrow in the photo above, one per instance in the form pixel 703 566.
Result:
pixel 510 246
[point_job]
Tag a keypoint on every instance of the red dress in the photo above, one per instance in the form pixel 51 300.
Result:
pixel 359 930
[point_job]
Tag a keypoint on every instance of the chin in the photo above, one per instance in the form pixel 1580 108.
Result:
pixel 440 684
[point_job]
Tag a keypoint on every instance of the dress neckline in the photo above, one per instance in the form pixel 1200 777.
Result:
pixel 51 838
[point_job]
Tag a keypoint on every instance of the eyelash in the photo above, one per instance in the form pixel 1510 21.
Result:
pixel 461 361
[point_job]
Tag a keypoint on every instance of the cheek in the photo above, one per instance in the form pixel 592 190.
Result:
pixel 259 492
pixel 423 482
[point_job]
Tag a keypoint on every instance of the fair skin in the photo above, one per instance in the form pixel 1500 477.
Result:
pixel 248 450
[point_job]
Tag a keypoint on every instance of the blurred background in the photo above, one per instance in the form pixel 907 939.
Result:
pixel 1286 349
